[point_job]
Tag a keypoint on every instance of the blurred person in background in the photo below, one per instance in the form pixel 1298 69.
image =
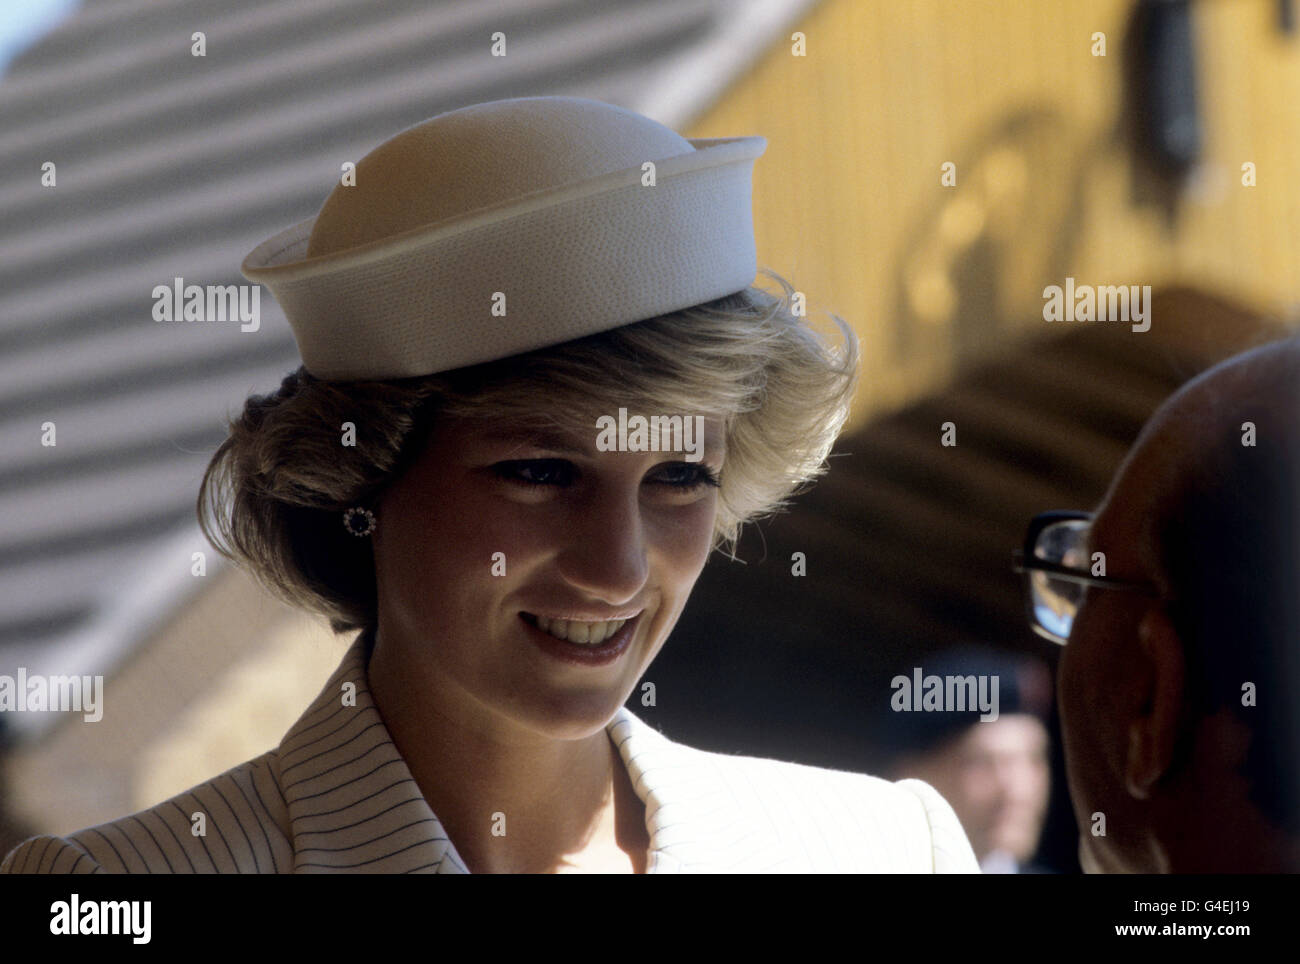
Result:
pixel 995 772
pixel 1182 658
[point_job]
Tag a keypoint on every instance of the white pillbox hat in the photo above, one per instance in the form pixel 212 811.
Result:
pixel 547 200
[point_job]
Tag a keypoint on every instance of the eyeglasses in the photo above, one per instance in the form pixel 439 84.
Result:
pixel 1056 566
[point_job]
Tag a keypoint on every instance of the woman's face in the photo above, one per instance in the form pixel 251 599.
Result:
pixel 494 531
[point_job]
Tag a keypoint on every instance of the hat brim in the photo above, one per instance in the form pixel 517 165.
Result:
pixel 568 262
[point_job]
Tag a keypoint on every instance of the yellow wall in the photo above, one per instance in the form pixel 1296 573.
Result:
pixel 848 201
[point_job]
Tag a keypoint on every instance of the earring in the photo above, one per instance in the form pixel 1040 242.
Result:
pixel 359 521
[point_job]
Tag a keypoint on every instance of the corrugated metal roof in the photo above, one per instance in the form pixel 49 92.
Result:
pixel 175 166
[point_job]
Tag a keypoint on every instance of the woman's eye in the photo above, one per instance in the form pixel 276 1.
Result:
pixel 535 471
pixel 558 472
pixel 686 475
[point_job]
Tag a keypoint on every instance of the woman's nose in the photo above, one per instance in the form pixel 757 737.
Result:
pixel 605 552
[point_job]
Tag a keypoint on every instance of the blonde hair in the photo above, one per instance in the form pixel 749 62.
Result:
pixel 273 493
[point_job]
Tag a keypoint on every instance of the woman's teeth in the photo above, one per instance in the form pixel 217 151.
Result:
pixel 588 634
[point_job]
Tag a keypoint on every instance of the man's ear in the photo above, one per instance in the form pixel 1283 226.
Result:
pixel 1154 733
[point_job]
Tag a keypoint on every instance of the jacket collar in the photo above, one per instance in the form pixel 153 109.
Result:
pixel 354 806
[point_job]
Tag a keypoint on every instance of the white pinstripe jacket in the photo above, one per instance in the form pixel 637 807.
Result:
pixel 337 797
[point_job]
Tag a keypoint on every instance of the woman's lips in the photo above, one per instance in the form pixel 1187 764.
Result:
pixel 588 632
pixel 616 637
pixel 590 616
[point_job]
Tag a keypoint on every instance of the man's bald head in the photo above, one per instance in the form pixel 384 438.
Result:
pixel 1192 693
pixel 1198 438
pixel 1232 432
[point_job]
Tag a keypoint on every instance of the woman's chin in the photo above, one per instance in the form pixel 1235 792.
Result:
pixel 572 716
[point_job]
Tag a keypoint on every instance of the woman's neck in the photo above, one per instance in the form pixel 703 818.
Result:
pixel 511 800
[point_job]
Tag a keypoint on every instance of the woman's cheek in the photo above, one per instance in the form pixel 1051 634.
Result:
pixel 518 532
pixel 685 533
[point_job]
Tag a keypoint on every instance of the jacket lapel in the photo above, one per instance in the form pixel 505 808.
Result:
pixel 353 805
pixel 692 814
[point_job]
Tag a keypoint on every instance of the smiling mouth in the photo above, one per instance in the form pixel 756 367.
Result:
pixel 576 631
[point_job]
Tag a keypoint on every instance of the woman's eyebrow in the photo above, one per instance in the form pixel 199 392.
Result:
pixel 557 440
pixel 551 439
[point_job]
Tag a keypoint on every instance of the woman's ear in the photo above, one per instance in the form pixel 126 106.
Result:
pixel 1153 734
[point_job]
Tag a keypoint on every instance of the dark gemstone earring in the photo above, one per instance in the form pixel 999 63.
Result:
pixel 359 521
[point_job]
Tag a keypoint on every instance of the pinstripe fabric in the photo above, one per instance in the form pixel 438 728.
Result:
pixel 336 797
